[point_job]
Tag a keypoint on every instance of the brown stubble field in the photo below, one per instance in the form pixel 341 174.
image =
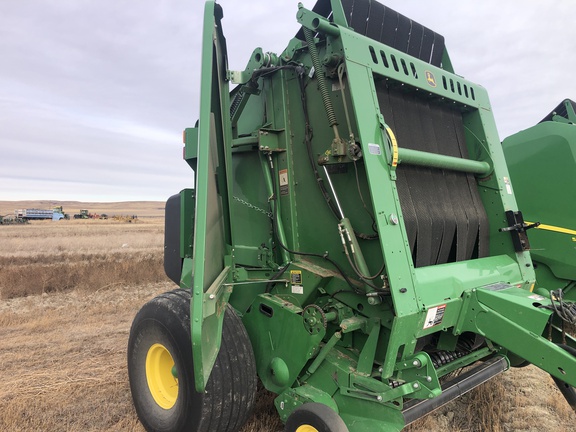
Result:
pixel 68 293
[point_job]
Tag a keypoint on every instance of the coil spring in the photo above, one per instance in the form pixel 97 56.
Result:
pixel 313 50
pixel 440 358
pixel 236 103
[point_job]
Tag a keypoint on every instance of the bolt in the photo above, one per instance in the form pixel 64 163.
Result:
pixel 394 219
pixel 282 405
pixel 416 363
pixel 415 385
pixel 379 398
pixel 429 378
pixel 212 296
pixel 380 369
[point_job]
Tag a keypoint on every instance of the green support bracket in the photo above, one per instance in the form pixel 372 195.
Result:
pixel 366 358
pixel 258 59
pixel 419 373
pixel 316 23
pixel 191 146
pixel 512 317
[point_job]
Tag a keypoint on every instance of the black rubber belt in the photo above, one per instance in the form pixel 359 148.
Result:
pixel 443 213
pixel 373 19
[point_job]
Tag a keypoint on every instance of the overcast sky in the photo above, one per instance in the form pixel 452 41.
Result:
pixel 94 94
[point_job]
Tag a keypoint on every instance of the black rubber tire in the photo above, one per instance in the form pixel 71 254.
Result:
pixel 320 416
pixel 567 390
pixel 231 390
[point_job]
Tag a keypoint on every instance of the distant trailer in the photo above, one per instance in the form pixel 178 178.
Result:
pixel 36 214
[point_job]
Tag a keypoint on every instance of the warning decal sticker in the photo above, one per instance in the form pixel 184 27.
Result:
pixel 296 282
pixel 283 179
pixel 434 316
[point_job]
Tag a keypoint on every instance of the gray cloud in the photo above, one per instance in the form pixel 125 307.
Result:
pixel 95 94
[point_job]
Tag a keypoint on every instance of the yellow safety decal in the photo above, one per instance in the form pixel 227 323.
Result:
pixel 555 229
pixel 394 146
pixel 296 282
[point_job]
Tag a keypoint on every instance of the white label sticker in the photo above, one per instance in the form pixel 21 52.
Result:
pixel 297 289
pixel 374 149
pixel 311 73
pixel 337 87
pixel 508 185
pixel 283 174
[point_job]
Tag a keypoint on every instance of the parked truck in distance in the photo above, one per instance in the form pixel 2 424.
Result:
pixel 39 214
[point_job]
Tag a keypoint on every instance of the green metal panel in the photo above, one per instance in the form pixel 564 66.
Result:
pixel 191 146
pixel 549 149
pixel 212 222
pixel 281 350
pixel 187 208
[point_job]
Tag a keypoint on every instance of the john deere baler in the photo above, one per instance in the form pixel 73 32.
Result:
pixel 549 198
pixel 351 238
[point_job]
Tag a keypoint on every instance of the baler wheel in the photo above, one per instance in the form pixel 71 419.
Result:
pixel 160 369
pixel 315 417
pixel 566 389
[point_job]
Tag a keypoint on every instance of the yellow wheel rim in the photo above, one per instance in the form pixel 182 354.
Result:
pixel 306 428
pixel 160 374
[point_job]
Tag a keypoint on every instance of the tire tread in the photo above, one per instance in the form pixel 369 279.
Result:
pixel 231 389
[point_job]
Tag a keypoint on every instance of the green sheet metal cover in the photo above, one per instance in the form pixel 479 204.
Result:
pixel 212 221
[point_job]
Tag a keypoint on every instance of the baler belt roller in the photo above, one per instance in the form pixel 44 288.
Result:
pixel 433 160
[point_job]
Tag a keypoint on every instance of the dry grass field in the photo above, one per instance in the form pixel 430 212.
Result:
pixel 68 293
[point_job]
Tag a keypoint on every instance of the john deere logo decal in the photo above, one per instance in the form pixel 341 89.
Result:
pixel 430 79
